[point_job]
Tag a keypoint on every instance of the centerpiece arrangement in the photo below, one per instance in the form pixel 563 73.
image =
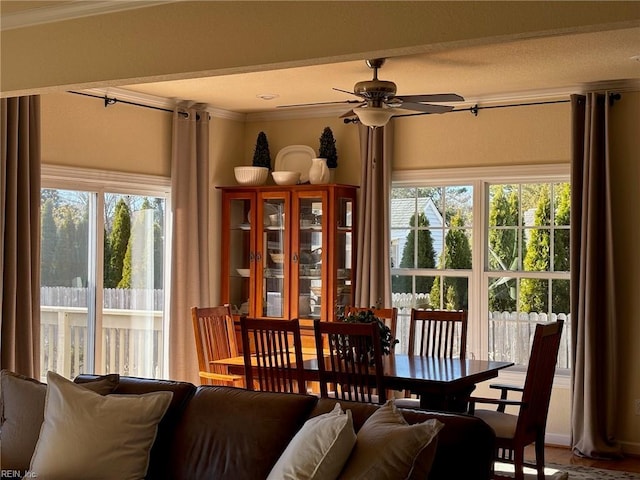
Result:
pixel 367 316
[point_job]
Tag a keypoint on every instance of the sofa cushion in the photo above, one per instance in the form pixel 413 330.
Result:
pixel 461 433
pixel 22 412
pixel 388 448
pixel 228 432
pixel 182 393
pixel 319 450
pixel 87 435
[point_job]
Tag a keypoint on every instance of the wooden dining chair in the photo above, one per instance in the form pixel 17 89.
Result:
pixel 215 340
pixel 515 432
pixel 435 333
pixel 350 361
pixel 272 352
pixel 388 315
pixel 438 333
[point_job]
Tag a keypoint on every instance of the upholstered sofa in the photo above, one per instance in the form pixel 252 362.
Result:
pixel 222 432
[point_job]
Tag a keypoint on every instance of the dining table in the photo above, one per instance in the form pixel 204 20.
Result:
pixel 440 383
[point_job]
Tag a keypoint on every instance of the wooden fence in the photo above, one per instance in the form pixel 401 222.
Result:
pixel 132 342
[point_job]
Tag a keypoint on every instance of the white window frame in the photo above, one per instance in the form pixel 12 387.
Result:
pixel 479 178
pixel 101 182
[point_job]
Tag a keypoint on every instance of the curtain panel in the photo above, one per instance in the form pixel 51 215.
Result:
pixel 373 269
pixel 20 235
pixel 190 242
pixel 593 322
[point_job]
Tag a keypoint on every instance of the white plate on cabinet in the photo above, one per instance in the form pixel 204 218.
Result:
pixel 295 158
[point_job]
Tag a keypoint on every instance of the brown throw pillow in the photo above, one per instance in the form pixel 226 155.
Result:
pixel 387 447
pixel 22 413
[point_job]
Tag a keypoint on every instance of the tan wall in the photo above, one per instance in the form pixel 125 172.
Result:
pixel 505 136
pixel 79 131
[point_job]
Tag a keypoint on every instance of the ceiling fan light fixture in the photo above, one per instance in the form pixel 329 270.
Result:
pixel 373 116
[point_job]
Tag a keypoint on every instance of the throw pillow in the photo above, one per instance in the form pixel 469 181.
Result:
pixel 87 435
pixel 388 447
pixel 319 450
pixel 22 412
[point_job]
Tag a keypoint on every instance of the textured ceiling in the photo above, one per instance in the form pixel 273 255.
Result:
pixel 497 71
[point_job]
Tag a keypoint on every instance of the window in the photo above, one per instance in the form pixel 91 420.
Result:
pixel 477 240
pixel 103 273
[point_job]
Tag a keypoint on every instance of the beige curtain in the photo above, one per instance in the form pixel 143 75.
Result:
pixel 190 243
pixel 20 235
pixel 593 315
pixel 373 270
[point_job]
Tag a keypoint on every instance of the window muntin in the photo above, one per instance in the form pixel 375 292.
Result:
pixel 503 270
pixel 431 254
pixel 528 237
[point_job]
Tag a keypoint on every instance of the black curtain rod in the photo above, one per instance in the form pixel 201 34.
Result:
pixel 475 109
pixel 112 101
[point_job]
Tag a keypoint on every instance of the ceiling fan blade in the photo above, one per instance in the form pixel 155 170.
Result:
pixel 347 91
pixel 425 107
pixel 317 103
pixel 436 97
pixel 350 113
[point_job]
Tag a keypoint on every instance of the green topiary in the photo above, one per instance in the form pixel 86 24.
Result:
pixel 261 155
pixel 328 148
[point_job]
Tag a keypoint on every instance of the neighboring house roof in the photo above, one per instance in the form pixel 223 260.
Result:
pixel 402 209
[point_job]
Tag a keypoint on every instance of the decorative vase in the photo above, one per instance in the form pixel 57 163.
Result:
pixel 319 172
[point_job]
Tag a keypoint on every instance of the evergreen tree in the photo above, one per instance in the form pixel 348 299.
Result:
pixel 65 264
pixel 533 292
pixel 503 246
pixel 49 239
pixel 561 258
pixel 134 270
pixel 118 241
pixel 457 255
pixel 426 257
pixel 158 245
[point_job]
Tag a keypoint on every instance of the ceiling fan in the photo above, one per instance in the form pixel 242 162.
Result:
pixel 379 102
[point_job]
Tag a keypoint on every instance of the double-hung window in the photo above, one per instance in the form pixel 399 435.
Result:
pixel 104 254
pixel 492 241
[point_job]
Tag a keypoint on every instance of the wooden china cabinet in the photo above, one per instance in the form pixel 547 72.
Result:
pixel 288 251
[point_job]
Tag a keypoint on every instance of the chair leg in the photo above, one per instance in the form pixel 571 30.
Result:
pixel 518 464
pixel 540 456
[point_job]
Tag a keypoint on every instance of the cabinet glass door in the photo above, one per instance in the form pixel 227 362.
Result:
pixel 274 257
pixel 241 256
pixel 343 253
pixel 310 256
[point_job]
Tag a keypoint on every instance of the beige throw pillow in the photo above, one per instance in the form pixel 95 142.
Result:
pixel 319 450
pixel 388 447
pixel 22 412
pixel 86 435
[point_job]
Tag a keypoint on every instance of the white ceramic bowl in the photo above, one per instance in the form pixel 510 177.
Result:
pixel 251 175
pixel 243 272
pixel 286 178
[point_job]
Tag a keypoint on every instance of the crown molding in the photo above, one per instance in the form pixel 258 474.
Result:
pixel 67 11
